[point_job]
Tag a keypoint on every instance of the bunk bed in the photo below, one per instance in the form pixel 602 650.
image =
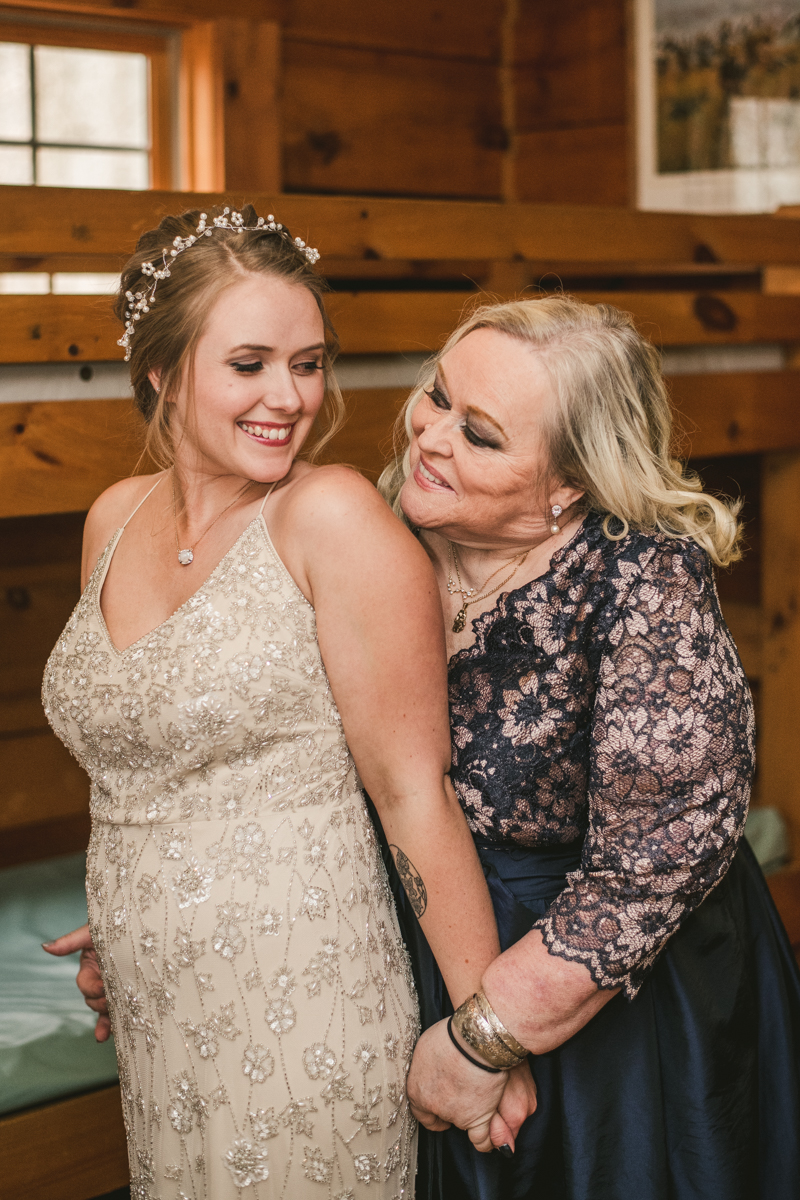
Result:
pixel 402 273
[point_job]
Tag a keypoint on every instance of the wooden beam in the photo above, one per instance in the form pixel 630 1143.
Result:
pixel 83 328
pixel 165 12
pixel 201 90
pixel 58 457
pixel 736 413
pixel 71 1150
pixel 63 220
pixel 780 680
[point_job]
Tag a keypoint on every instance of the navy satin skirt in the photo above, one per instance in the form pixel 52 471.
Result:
pixel 689 1092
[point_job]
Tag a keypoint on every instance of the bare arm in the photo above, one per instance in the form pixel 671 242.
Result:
pixel 381 636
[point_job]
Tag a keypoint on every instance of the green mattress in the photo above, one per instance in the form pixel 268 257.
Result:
pixel 47 1046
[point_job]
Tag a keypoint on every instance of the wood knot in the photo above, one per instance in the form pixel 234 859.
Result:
pixel 18 598
pixel 714 314
pixel 492 136
pixel 327 146
pixel 704 254
pixel 81 233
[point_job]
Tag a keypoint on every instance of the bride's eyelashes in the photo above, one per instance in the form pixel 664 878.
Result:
pixel 253 368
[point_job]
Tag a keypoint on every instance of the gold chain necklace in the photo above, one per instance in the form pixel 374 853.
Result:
pixel 185 557
pixel 468 596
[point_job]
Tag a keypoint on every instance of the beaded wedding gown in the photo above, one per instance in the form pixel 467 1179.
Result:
pixel 260 996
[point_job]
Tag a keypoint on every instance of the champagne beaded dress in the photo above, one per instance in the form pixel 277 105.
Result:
pixel 261 999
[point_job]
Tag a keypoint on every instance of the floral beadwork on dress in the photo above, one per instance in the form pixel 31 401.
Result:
pixel 261 998
pixel 606 701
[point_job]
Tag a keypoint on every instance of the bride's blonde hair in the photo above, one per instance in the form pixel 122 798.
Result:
pixel 609 433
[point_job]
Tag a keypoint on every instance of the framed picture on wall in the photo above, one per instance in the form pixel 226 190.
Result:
pixel 718 104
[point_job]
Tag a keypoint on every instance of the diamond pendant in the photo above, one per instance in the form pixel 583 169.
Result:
pixel 185 557
pixel 461 619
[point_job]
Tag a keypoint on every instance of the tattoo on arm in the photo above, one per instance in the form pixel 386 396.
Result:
pixel 411 881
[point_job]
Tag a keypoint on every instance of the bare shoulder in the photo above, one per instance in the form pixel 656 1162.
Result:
pixel 335 504
pixel 330 525
pixel 111 510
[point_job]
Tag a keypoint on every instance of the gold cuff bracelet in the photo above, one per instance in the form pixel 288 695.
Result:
pixel 481 1028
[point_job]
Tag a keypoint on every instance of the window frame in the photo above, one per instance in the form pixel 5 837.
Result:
pixel 161 51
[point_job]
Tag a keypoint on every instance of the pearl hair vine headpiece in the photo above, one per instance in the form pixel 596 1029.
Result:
pixel 140 302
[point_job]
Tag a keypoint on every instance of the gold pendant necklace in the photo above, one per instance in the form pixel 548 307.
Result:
pixel 186 556
pixel 468 596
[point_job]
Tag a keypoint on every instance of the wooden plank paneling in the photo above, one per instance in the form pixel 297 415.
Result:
pixel 746 624
pixel 63 220
pixel 168 12
pixel 201 109
pixel 736 413
pixel 585 164
pixel 79 328
pixel 58 329
pixel 365 440
pixel 72 1150
pixel 39 781
pixel 571 63
pixel 35 601
pixel 361 120
pixel 58 457
pixel 252 118
pixel 446 29
pixel 780 682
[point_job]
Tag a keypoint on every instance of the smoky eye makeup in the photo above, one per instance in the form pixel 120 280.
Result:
pixel 437 396
pixel 439 399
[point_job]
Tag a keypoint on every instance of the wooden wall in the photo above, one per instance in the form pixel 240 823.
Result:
pixel 494 99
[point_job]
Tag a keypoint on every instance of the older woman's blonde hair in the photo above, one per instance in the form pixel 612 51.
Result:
pixel 609 433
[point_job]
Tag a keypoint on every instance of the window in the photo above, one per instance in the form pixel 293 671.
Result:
pixel 86 116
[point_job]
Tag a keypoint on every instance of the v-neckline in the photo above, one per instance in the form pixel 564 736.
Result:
pixel 98 590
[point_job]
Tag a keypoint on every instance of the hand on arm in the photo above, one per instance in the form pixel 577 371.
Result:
pixel 89 980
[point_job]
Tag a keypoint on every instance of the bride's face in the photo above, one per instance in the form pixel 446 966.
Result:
pixel 478 467
pixel 257 383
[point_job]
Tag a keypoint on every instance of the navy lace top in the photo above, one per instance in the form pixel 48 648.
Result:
pixel 606 701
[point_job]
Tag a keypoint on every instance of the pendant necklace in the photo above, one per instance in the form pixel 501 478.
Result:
pixel 186 557
pixel 468 595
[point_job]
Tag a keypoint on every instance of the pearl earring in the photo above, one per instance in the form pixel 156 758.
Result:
pixel 556 510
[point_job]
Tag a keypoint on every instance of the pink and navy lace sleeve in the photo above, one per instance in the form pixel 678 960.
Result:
pixel 607 702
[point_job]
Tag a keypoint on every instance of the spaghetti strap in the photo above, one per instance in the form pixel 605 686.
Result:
pixel 269 492
pixel 141 502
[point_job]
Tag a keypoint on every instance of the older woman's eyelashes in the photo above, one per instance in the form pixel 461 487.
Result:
pixel 437 397
pixel 476 440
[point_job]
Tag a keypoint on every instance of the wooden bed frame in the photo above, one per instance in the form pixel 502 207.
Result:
pixel 689 280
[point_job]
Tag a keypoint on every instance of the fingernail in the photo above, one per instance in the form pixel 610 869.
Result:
pixel 505 1150
pixel 46 945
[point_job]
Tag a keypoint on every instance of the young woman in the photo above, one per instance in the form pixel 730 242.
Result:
pixel 254 631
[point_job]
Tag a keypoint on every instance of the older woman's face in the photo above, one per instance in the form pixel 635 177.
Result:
pixel 477 456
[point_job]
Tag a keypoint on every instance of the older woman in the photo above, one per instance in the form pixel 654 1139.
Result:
pixel 602 734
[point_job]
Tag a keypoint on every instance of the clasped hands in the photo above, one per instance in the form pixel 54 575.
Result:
pixel 444 1089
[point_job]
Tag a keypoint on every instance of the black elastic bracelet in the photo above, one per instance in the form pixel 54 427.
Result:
pixel 474 1061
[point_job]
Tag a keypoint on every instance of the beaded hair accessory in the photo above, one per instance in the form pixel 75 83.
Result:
pixel 141 302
